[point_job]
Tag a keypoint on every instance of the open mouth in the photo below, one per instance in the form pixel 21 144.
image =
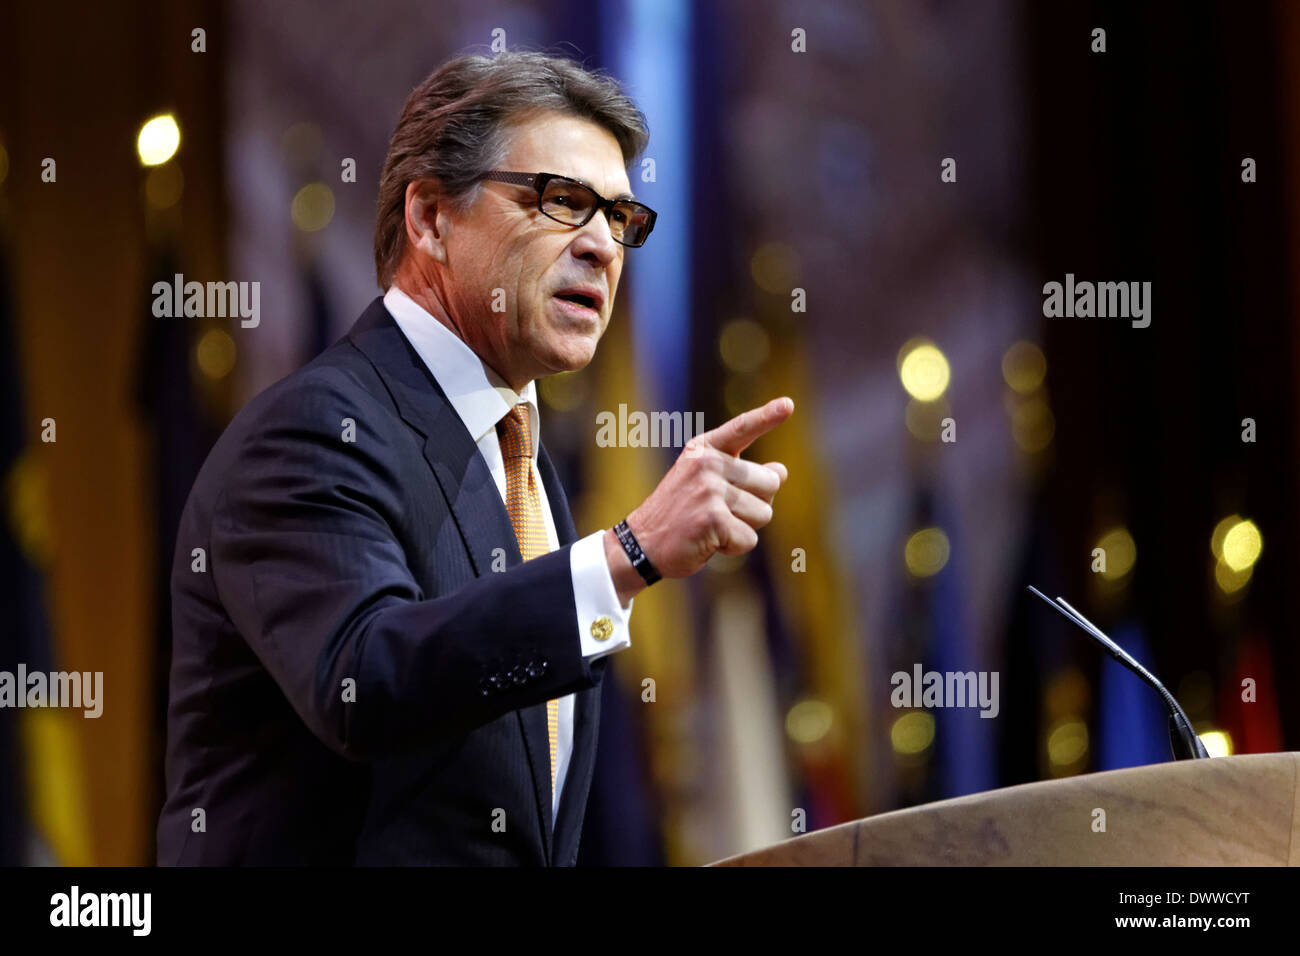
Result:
pixel 586 301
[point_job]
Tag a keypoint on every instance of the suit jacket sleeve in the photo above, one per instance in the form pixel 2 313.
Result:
pixel 308 565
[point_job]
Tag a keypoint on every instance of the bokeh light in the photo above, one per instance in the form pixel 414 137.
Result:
pixel 1024 367
pixel 1032 424
pixel 926 552
pixel 912 733
pixel 1121 553
pixel 158 141
pixel 923 370
pixel 809 721
pixel 1067 743
pixel 743 345
pixel 775 268
pixel 1242 544
pixel 215 353
pixel 1228 580
pixel 313 207
pixel 1218 743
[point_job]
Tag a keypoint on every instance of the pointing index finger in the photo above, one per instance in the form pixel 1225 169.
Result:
pixel 736 435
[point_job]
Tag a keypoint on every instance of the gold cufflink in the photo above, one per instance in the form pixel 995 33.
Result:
pixel 602 628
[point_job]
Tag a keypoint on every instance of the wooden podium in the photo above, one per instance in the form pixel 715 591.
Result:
pixel 1222 811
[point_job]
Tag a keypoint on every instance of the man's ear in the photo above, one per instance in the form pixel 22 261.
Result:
pixel 427 222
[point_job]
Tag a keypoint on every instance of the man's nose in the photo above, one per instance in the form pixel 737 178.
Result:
pixel 595 242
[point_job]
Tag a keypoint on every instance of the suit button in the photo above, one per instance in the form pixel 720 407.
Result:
pixel 602 628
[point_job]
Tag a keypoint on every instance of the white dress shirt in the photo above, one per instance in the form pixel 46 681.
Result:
pixel 481 399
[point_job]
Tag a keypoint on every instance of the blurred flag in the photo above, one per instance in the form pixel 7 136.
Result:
pixel 17 592
pixel 818 635
pixel 821 776
pixel 1036 665
pixel 749 749
pixel 42 817
pixel 1132 725
pixel 1253 724
pixel 965 741
pixel 644 745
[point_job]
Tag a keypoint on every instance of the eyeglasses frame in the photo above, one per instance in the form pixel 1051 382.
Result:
pixel 538 182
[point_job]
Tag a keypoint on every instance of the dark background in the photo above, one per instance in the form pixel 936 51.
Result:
pixel 776 170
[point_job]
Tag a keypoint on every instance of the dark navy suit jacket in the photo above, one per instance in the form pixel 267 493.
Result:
pixel 352 682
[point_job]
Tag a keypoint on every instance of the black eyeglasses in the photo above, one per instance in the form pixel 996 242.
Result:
pixel 573 203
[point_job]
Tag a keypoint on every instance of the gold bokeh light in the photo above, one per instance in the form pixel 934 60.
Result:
pixel 1121 553
pixel 744 345
pixel 313 207
pixel 808 721
pixel 1242 545
pixel 923 370
pixel 1067 743
pixel 158 140
pixel 1024 367
pixel 215 354
pixel 912 733
pixel 1218 743
pixel 926 552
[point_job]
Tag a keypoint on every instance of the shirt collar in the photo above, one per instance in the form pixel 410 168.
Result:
pixel 478 394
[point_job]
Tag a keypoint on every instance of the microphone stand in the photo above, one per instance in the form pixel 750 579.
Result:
pixel 1183 741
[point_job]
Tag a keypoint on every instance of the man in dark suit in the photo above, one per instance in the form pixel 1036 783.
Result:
pixel 388 639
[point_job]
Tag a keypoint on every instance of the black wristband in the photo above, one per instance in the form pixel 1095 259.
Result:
pixel 638 557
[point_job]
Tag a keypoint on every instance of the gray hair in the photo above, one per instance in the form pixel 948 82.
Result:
pixel 452 129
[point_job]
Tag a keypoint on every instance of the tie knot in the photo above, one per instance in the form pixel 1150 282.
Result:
pixel 512 431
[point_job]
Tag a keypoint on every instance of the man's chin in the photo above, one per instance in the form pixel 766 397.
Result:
pixel 575 353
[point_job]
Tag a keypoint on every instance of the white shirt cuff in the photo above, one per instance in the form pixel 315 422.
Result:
pixel 602 621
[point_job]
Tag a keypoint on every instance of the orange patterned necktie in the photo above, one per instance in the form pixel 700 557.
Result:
pixel 525 509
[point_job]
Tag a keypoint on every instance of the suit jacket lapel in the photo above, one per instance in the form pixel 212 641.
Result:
pixel 472 495
pixel 448 448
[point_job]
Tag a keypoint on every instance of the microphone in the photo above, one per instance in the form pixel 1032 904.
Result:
pixel 1184 742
